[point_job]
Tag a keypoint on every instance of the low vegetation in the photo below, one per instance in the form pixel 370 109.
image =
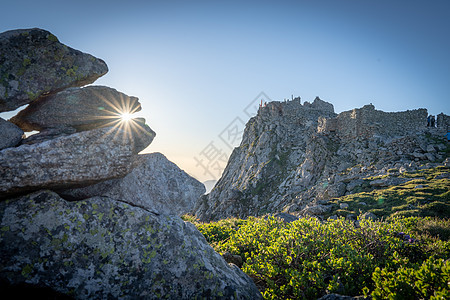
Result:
pixel 403 255
pixel 405 258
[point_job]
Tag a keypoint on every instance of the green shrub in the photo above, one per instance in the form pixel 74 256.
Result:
pixel 306 259
pixel 429 281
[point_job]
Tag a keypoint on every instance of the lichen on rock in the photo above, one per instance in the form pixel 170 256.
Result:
pixel 101 248
pixel 34 63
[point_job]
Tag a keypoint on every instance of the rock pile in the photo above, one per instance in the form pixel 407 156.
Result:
pixel 81 212
pixel 295 157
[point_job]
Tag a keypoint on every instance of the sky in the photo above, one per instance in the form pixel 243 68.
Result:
pixel 200 67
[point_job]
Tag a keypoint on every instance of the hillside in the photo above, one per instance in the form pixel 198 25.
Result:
pixel 297 158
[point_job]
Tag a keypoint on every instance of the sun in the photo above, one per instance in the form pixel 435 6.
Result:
pixel 125 117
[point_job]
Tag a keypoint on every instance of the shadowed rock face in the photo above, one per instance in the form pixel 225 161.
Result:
pixel 103 249
pixel 78 159
pixel 155 184
pixel 34 63
pixel 10 134
pixel 80 108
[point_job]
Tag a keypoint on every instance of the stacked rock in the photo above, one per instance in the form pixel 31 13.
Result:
pixel 81 212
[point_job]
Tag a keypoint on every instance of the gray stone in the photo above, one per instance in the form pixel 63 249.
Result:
pixel 10 134
pixel 430 156
pixel 78 159
pixel 336 297
pixel 343 205
pixel 34 63
pixel 287 218
pixel 81 108
pixel 233 259
pixel 353 184
pixel 431 149
pixel 103 249
pixel 315 210
pixel 155 184
pixel 369 215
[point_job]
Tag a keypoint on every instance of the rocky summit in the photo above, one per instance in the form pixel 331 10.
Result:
pixel 83 215
pixel 34 63
pixel 295 157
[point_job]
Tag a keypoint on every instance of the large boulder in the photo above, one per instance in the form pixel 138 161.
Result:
pixel 10 134
pixel 104 249
pixel 78 159
pixel 34 63
pixel 156 184
pixel 81 108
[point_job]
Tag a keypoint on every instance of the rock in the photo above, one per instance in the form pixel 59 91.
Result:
pixel 48 134
pixel 353 184
pixel 315 210
pixel 369 215
pixel 78 159
pixel 336 297
pixel 103 249
pixel 333 217
pixel 421 186
pixel 431 149
pixel 34 63
pixel 430 156
pixel 10 134
pixel 379 182
pixel 443 175
pixel 233 259
pixel 287 218
pixel 80 108
pixel 155 184
pixel 343 205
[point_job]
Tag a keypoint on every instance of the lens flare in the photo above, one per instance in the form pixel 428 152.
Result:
pixel 125 117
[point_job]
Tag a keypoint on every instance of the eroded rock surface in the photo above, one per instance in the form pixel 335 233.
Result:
pixel 78 159
pixel 34 63
pixel 103 249
pixel 296 157
pixel 10 134
pixel 155 184
pixel 80 108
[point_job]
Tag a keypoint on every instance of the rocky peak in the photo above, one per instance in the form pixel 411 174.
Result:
pixel 292 155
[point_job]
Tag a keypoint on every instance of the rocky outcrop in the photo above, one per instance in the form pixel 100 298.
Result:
pixel 79 108
pixel 294 158
pixel 73 160
pixel 103 249
pixel 34 63
pixel 155 184
pixel 10 134
pixel 123 240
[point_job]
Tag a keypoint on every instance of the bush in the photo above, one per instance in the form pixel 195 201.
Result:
pixel 308 259
pixel 429 281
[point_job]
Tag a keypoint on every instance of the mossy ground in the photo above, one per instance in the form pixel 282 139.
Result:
pixel 428 194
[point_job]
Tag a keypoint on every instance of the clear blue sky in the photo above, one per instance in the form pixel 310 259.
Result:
pixel 195 65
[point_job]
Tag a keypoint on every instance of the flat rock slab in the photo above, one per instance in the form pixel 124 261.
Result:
pixel 81 108
pixel 156 184
pixel 78 159
pixel 10 134
pixel 34 63
pixel 103 249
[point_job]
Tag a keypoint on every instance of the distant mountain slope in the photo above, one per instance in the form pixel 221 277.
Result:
pixel 294 155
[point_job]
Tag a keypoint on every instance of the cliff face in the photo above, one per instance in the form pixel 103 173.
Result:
pixel 294 155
